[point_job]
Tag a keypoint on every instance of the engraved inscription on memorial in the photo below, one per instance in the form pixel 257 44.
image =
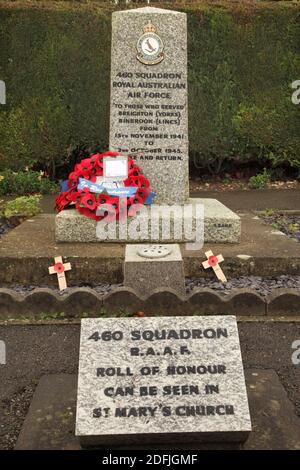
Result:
pixel 146 116
pixel 150 375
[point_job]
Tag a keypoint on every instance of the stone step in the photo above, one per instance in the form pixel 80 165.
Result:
pixel 28 250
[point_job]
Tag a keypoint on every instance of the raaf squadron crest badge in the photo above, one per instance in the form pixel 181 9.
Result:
pixel 150 46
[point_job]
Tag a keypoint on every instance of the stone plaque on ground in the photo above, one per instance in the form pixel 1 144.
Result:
pixel 148 104
pixel 161 379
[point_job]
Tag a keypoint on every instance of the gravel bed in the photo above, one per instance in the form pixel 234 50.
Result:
pixel 262 286
pixel 288 224
pixel 13 411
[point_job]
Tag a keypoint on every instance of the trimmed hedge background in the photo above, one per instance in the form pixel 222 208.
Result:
pixel 55 60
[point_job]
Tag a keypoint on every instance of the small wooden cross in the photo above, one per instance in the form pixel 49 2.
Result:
pixel 59 268
pixel 213 262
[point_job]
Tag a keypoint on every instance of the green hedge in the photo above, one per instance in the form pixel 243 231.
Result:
pixel 55 61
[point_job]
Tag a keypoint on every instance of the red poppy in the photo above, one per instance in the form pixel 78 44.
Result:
pixel 86 163
pixel 104 198
pixel 143 193
pixel 132 181
pixel 143 182
pixel 108 207
pixel 88 200
pixel 212 261
pixel 134 171
pixel 73 179
pixel 59 268
pixel 130 164
pixel 93 163
pixel 75 194
pixel 84 171
pixel 135 200
pixel 99 164
pixel 61 201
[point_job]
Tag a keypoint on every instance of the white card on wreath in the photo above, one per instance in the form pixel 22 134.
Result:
pixel 115 167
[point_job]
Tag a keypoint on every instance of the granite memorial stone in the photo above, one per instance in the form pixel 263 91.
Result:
pixel 147 380
pixel 149 121
pixel 149 101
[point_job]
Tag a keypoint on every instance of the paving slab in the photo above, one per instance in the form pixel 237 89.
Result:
pixel 28 250
pixel 51 418
pixel 50 422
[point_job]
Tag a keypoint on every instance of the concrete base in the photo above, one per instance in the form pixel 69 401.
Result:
pixel 50 422
pixel 144 275
pixel 221 225
pixel 28 250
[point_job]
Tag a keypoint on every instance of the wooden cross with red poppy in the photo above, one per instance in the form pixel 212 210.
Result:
pixel 59 268
pixel 213 262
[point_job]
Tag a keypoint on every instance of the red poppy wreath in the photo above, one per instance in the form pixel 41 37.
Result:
pixel 90 203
